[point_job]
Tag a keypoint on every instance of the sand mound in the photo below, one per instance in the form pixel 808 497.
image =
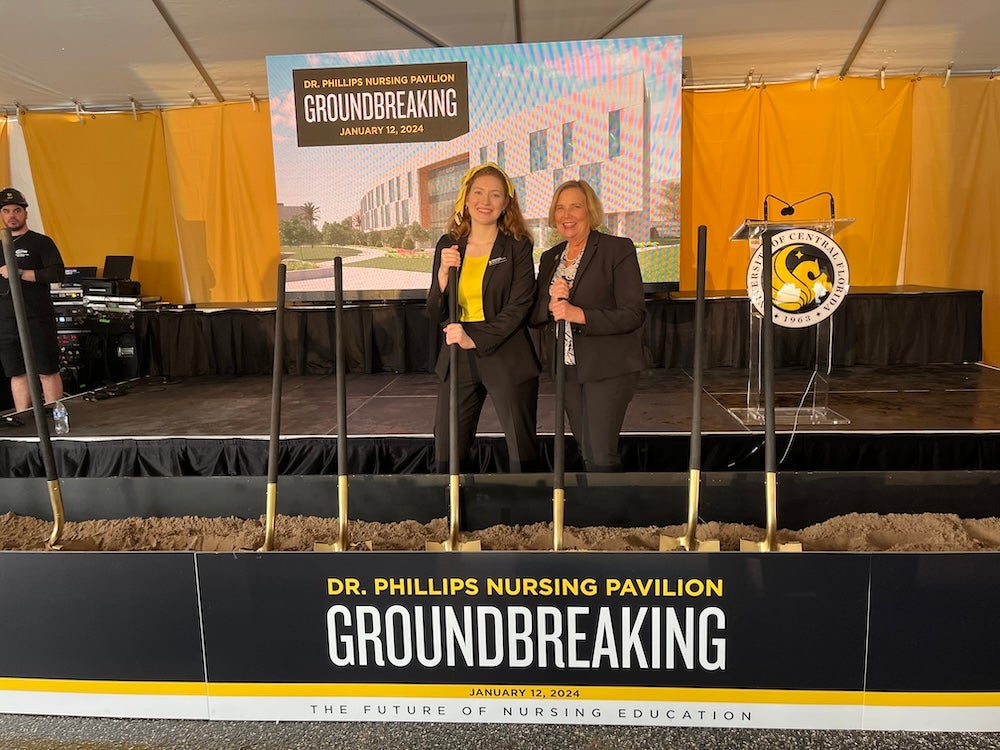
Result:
pixel 857 532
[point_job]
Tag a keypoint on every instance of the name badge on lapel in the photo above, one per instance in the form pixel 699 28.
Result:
pixel 497 261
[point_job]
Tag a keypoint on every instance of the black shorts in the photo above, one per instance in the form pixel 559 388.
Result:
pixel 44 344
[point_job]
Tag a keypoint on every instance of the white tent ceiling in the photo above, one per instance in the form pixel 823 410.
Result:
pixel 104 53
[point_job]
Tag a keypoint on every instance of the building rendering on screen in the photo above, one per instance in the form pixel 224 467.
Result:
pixel 601 135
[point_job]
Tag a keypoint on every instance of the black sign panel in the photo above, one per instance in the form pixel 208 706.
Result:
pixel 934 623
pixel 100 615
pixel 698 620
pixel 411 103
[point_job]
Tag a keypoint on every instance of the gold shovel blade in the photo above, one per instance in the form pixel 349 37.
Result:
pixel 747 545
pixel 690 541
pixel 671 543
pixel 446 546
pixel 336 546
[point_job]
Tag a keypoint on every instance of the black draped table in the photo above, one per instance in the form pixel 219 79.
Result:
pixel 880 326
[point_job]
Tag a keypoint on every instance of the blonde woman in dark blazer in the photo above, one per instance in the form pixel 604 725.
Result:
pixel 488 241
pixel 592 281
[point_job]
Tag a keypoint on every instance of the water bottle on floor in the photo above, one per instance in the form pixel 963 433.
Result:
pixel 61 418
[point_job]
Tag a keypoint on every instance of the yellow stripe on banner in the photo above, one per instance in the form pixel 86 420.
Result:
pixel 503 692
pixel 562 692
pixel 101 687
pixel 933 700
pixel 536 692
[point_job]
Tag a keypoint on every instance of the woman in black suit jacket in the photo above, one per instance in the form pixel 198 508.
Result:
pixel 592 281
pixel 491 246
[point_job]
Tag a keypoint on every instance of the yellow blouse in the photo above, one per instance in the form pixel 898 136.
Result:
pixel 470 289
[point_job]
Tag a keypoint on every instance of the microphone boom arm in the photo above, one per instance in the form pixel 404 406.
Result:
pixel 789 209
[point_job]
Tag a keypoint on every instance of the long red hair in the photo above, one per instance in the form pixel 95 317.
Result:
pixel 511 221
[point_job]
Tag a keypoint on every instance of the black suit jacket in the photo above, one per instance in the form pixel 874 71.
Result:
pixel 503 346
pixel 608 287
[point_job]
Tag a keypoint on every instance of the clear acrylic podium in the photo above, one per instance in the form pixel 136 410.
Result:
pixel 813 407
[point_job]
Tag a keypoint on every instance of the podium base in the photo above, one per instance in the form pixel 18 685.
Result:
pixel 791 415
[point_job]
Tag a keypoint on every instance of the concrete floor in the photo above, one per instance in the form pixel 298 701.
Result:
pixel 59 733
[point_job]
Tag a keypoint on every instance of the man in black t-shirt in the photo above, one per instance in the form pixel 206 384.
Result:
pixel 39 264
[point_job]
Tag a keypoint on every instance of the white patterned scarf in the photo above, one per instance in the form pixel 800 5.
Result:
pixel 567 270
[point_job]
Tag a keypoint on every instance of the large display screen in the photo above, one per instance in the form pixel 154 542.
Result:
pixel 370 148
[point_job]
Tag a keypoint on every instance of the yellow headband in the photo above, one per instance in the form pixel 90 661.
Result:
pixel 463 191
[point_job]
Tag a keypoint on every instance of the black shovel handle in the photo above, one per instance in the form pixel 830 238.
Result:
pixel 277 373
pixel 559 439
pixel 699 356
pixel 453 458
pixel 338 281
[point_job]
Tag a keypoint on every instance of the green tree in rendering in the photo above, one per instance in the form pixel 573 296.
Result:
pixel 310 212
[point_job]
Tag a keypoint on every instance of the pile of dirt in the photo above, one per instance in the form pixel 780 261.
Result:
pixel 857 532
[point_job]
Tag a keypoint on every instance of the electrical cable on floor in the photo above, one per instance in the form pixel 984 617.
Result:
pixel 791 438
pixel 732 464
pixel 798 411
pixel 103 394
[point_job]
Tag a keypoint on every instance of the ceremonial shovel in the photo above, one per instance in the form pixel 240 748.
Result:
pixel 559 440
pixel 343 536
pixel 690 540
pixel 770 543
pixel 275 431
pixel 37 399
pixel 452 544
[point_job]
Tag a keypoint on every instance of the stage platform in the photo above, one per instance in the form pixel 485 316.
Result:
pixel 189 434
pixel 920 438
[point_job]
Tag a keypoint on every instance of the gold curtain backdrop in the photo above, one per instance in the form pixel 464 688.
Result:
pixel 191 193
pixel 953 233
pixel 222 173
pixel 848 137
pixel 102 186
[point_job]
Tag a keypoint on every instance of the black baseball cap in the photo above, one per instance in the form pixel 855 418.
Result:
pixel 12 195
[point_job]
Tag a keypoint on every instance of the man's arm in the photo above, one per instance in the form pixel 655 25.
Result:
pixel 52 269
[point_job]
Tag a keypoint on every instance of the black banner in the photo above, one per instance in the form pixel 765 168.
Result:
pixel 411 103
pixel 815 639
pixel 762 621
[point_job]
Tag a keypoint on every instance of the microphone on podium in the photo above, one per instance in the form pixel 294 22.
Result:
pixel 788 209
